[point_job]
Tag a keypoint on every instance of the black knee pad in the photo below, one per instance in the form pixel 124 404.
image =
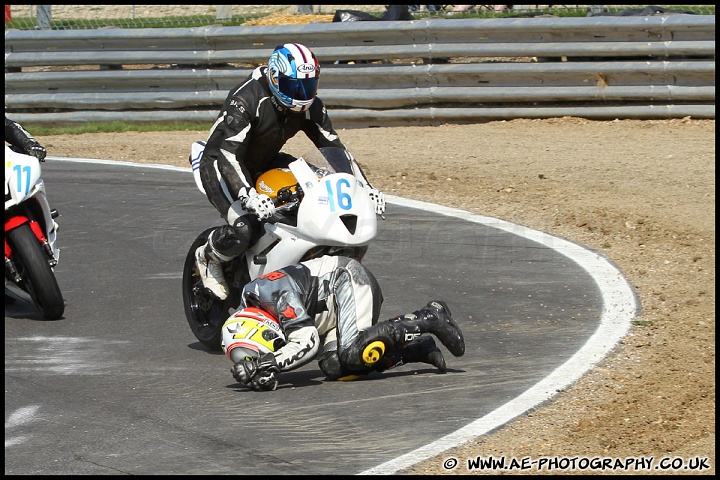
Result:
pixel 368 348
pixel 330 366
pixel 234 240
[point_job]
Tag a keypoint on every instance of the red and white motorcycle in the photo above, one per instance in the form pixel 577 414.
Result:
pixel 322 208
pixel 31 251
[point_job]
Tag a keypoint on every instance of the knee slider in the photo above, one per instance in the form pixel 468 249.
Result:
pixel 373 352
pixel 363 355
pixel 330 366
pixel 233 240
pixel 369 347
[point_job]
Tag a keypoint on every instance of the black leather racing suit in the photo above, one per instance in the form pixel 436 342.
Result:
pixel 17 136
pixel 244 142
pixel 328 301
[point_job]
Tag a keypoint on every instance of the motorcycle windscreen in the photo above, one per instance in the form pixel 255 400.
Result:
pixel 337 211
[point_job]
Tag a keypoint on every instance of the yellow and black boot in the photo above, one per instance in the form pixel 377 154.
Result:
pixel 420 350
pixel 368 350
pixel 434 318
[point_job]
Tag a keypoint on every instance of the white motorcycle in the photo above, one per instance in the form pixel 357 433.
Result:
pixel 322 208
pixel 31 251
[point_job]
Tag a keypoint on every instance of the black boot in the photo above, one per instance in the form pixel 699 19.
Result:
pixel 420 350
pixel 434 318
pixel 372 344
pixel 445 328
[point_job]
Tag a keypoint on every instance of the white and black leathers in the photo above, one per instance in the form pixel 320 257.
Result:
pixel 248 135
pixel 323 302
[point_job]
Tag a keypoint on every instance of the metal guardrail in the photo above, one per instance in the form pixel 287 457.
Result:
pixel 421 72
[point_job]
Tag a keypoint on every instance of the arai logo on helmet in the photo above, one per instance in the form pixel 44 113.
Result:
pixel 306 68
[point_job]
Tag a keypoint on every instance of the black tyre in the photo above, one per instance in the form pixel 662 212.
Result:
pixel 205 313
pixel 38 279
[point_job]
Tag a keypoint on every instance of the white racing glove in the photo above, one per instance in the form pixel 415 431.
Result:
pixel 378 199
pixel 259 204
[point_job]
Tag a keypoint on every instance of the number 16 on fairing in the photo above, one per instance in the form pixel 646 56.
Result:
pixel 344 200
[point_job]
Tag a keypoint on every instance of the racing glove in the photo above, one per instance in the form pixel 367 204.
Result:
pixel 38 151
pixel 259 204
pixel 257 374
pixel 378 199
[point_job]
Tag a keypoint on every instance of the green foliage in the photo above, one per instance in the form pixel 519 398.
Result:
pixel 113 127
pixel 642 323
pixel 22 23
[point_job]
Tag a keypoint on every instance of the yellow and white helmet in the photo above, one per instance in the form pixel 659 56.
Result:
pixel 250 333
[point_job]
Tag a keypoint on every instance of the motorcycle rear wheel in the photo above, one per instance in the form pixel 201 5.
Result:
pixel 38 278
pixel 205 313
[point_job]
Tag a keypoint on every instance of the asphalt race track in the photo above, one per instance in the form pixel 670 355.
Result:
pixel 120 385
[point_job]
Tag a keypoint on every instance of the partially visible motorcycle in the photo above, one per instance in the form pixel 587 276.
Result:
pixel 322 208
pixel 31 251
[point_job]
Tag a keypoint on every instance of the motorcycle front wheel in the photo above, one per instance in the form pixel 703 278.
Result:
pixel 205 313
pixel 38 278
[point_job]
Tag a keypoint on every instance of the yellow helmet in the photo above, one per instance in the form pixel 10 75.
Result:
pixel 250 333
pixel 273 180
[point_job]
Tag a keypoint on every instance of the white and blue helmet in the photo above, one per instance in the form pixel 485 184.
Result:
pixel 293 74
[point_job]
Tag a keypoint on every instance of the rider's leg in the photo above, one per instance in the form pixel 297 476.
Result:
pixel 420 350
pixel 224 243
pixel 209 262
pixel 371 344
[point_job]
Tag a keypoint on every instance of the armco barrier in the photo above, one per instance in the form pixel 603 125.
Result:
pixel 421 72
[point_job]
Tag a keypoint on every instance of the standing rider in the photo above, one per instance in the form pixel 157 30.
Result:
pixel 20 138
pixel 258 117
pixel 328 308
